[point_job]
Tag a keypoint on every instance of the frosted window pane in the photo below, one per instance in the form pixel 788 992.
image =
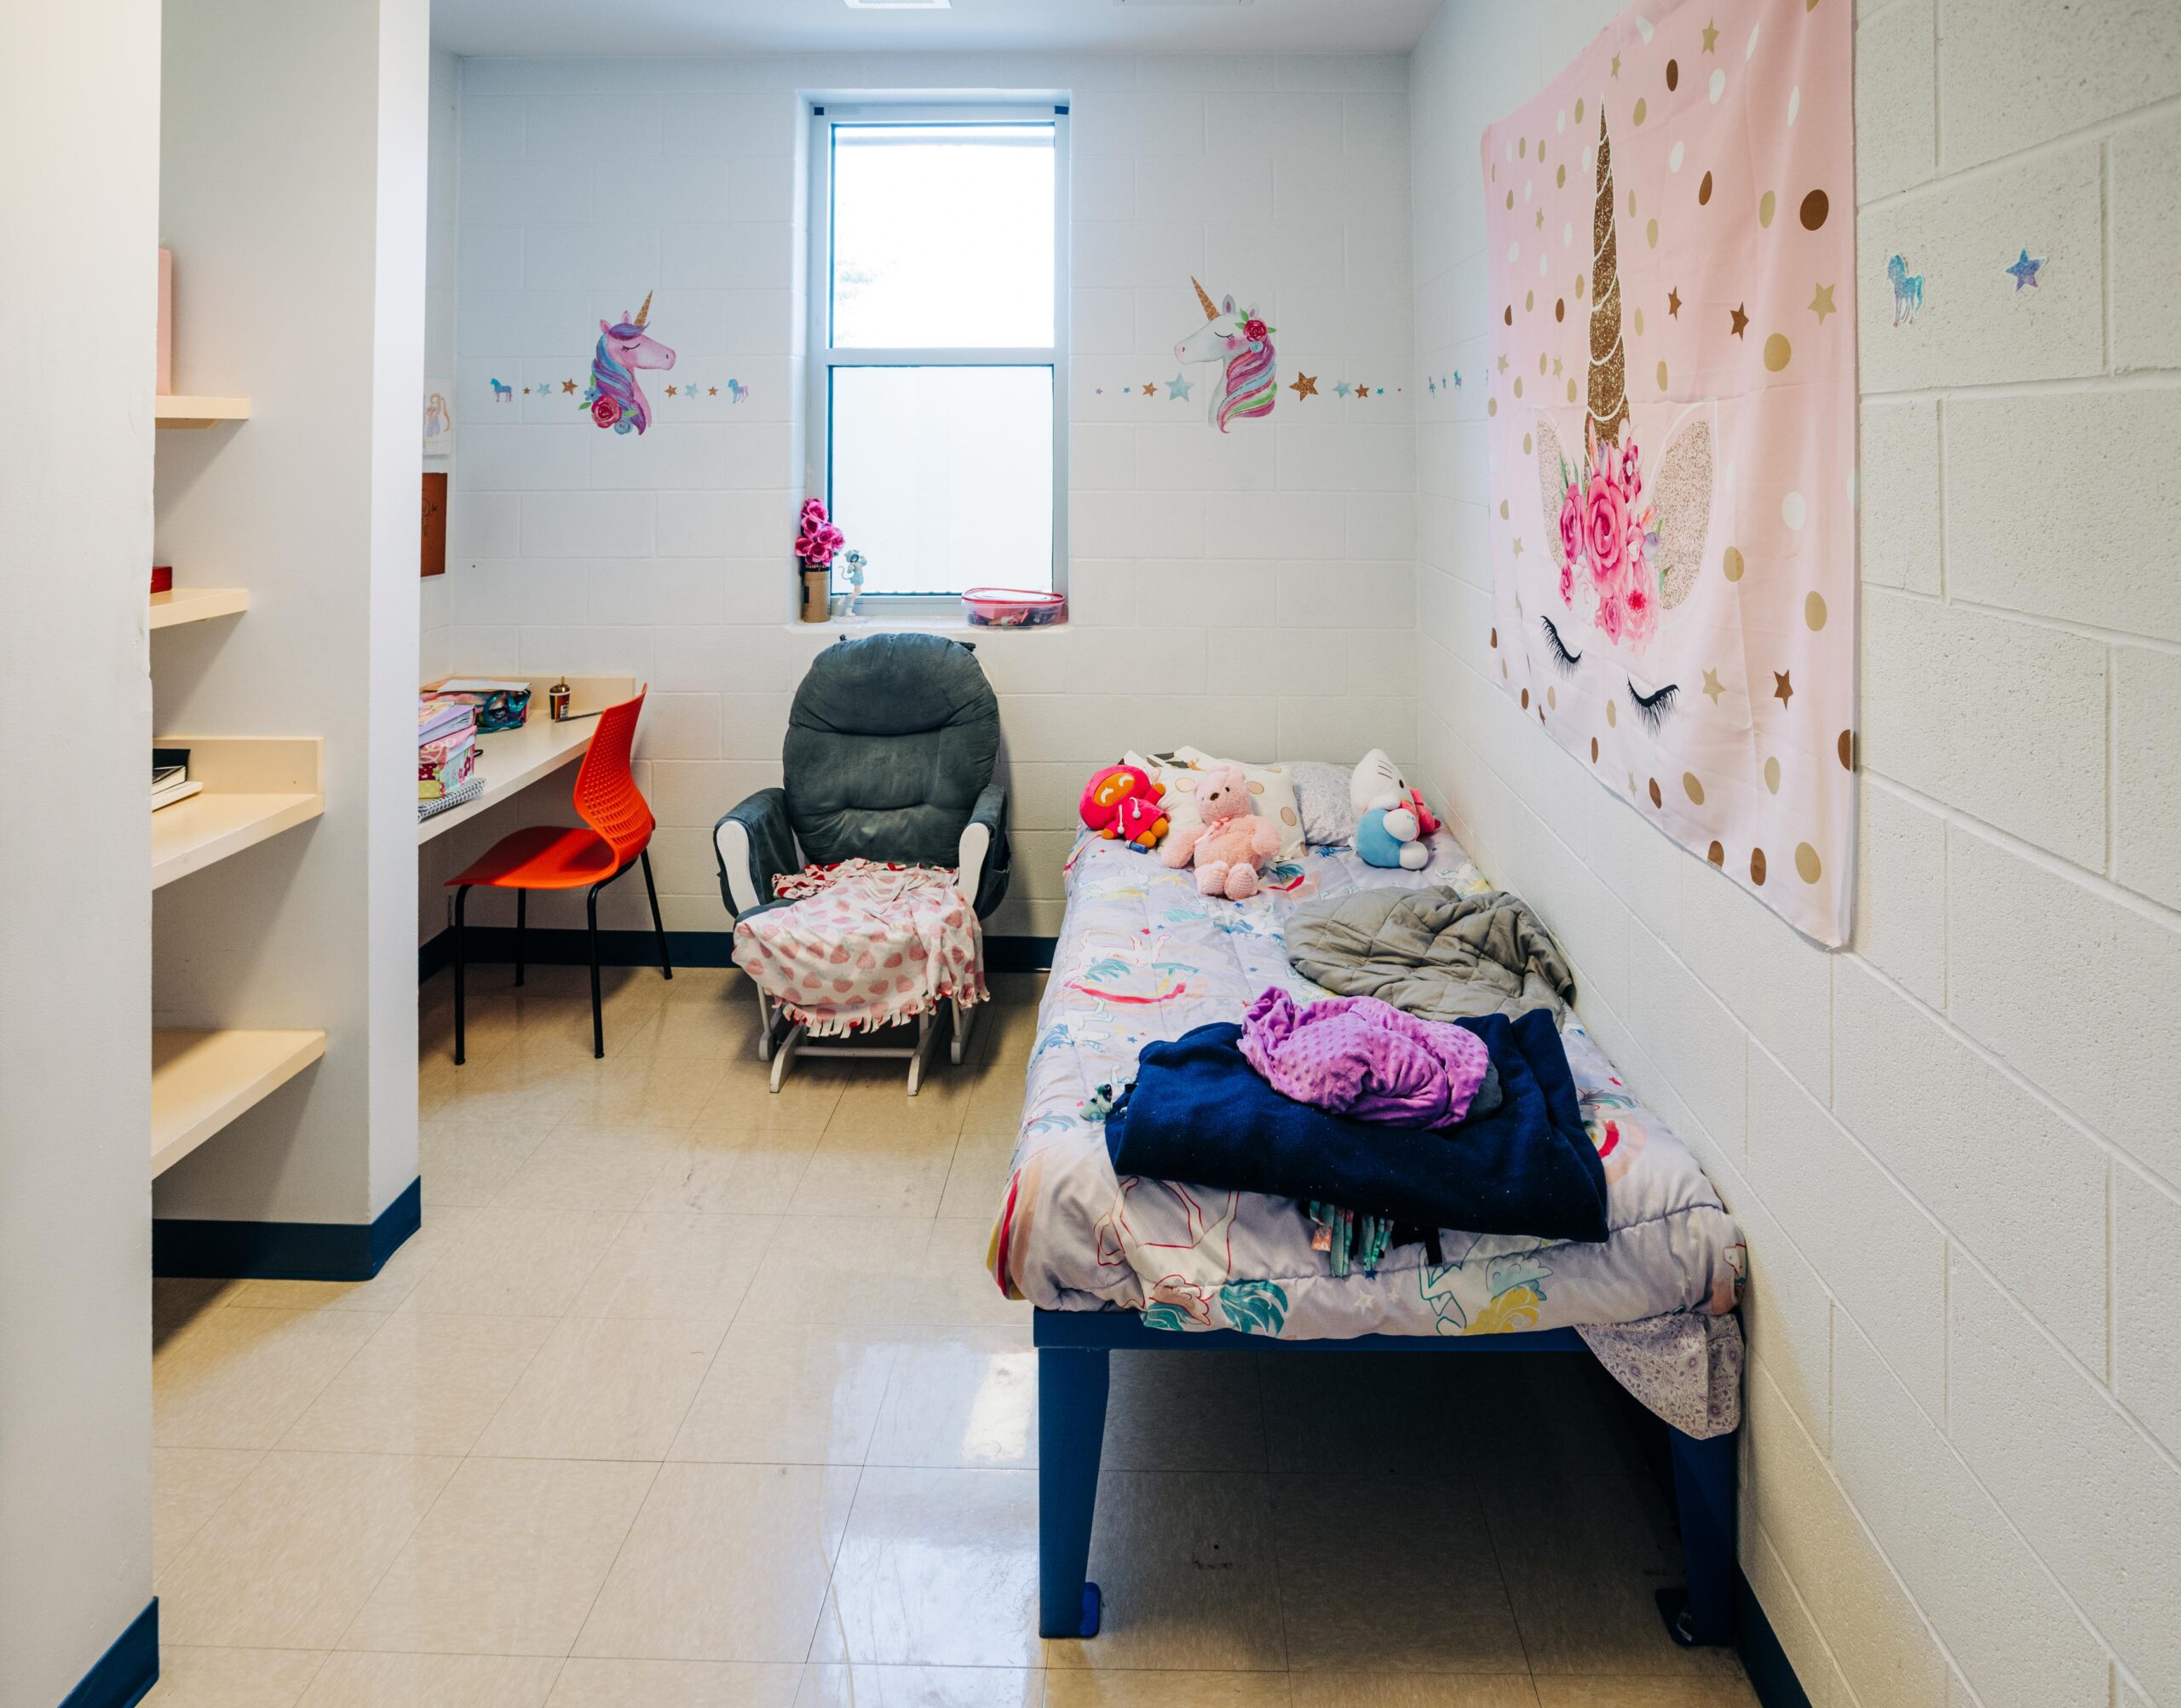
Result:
pixel 943 235
pixel 943 477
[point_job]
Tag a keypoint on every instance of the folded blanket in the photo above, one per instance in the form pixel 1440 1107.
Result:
pixel 1198 1114
pixel 1434 952
pixel 1364 1058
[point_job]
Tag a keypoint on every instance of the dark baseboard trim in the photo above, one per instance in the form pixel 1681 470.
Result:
pixel 287 1250
pixel 124 1675
pixel 1762 1658
pixel 560 947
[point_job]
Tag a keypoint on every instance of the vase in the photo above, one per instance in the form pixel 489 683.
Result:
pixel 817 595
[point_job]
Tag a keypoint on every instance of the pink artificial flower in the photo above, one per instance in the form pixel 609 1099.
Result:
pixel 1605 530
pixel 1571 522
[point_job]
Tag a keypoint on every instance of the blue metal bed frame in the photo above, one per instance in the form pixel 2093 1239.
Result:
pixel 1074 1354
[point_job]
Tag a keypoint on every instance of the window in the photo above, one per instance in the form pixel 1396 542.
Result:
pixel 938 343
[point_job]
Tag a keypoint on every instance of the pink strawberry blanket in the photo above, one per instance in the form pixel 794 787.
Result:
pixel 864 945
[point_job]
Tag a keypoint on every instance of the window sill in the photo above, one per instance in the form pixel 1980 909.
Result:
pixel 954 627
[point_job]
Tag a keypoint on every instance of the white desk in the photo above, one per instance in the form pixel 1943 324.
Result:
pixel 513 759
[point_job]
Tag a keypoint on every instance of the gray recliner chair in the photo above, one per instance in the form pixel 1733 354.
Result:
pixel 892 742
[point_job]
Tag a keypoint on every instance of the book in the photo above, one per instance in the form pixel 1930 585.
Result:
pixel 439 717
pixel 180 790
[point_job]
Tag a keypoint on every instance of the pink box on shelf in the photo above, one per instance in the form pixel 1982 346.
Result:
pixel 165 382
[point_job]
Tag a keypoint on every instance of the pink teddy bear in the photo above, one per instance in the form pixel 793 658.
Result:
pixel 1230 844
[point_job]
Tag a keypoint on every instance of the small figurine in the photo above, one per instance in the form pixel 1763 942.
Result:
pixel 854 564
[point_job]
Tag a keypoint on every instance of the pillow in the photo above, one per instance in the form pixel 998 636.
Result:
pixel 1321 796
pixel 1272 795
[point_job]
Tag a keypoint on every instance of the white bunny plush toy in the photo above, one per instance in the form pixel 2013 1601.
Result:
pixel 1391 819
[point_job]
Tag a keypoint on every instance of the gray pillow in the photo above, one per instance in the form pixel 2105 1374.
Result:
pixel 1321 796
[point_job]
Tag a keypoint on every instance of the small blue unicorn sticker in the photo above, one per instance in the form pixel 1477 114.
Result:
pixel 1908 292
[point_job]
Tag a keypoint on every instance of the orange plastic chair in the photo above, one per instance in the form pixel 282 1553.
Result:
pixel 565 857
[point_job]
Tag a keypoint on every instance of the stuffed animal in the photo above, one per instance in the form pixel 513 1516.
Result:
pixel 1121 803
pixel 1232 843
pixel 1392 820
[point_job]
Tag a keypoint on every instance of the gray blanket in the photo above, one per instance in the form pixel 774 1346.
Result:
pixel 1435 953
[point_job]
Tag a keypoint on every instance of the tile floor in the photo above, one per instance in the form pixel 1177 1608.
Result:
pixel 690 1396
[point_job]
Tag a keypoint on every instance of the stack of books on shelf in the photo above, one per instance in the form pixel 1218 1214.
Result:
pixel 170 777
pixel 447 754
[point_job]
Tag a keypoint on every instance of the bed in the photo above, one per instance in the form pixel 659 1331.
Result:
pixel 1113 1263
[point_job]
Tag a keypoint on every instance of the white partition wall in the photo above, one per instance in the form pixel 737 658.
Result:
pixel 292 193
pixel 78 231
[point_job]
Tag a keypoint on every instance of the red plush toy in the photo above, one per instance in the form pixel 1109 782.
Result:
pixel 1121 803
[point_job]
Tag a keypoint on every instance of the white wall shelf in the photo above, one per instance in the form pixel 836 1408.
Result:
pixel 198 412
pixel 196 604
pixel 255 787
pixel 202 1080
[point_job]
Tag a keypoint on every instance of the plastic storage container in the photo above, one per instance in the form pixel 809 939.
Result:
pixel 1012 608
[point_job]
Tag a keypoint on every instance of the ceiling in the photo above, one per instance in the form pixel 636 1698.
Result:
pixel 721 26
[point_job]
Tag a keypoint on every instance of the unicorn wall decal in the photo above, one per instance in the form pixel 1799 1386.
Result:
pixel 1243 343
pixel 615 399
pixel 1627 537
pixel 1908 290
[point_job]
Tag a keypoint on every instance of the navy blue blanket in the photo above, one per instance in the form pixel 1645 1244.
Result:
pixel 1199 1113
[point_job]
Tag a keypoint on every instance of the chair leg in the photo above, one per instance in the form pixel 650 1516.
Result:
pixel 460 897
pixel 658 925
pixel 522 930
pixel 784 1054
pixel 597 1013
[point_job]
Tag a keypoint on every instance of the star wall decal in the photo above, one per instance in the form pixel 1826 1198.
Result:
pixel 1518 545
pixel 1741 319
pixel 1503 365
pixel 1540 219
pixel 1822 304
pixel 670 391
pixel 1616 65
pixel 1303 385
pixel 711 391
pixel 1711 37
pixel 1673 302
pixel 1342 389
pixel 1458 375
pixel 1365 390
pixel 525 391
pixel 1432 386
pixel 2025 271
pixel 1783 689
pixel 1556 367
pixel 568 386
pixel 1151 390
pixel 1178 389
pixel 1713 686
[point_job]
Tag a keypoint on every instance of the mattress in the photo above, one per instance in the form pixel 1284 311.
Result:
pixel 1143 957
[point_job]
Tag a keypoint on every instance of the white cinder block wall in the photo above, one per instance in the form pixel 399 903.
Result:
pixel 439 314
pixel 1253 594
pixel 1951 1147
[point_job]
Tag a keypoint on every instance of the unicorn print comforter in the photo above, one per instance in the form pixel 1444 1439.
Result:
pixel 1143 957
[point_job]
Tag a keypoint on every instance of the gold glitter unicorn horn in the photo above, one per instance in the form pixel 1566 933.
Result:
pixel 1211 312
pixel 644 311
pixel 1608 402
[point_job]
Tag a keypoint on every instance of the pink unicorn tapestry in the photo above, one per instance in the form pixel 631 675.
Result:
pixel 1670 418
